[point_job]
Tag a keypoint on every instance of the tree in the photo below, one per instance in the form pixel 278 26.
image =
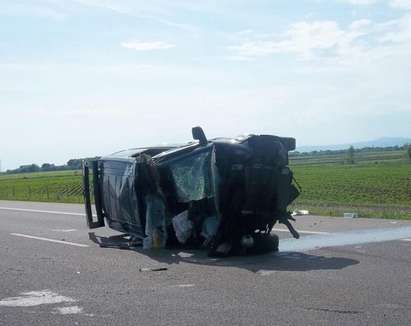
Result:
pixel 28 168
pixel 350 155
pixel 74 164
pixel 409 151
pixel 47 167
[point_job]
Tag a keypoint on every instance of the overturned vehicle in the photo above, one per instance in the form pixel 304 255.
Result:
pixel 224 195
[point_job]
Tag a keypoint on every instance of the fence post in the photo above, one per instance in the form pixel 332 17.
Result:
pixel 47 191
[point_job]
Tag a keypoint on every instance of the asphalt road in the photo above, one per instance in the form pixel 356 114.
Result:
pixel 342 271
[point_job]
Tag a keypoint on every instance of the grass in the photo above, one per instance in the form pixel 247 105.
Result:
pixel 59 186
pixel 5 176
pixel 339 158
pixel 372 190
pixel 378 185
pixel 356 184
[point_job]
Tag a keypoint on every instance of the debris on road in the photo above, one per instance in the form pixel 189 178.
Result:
pixel 350 215
pixel 153 269
pixel 300 212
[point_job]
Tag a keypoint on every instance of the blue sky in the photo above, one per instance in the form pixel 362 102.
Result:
pixel 86 77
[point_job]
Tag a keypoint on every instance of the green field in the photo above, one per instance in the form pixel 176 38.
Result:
pixel 366 157
pixel 377 185
pixel 60 186
pixel 372 190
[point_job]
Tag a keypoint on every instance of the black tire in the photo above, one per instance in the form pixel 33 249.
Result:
pixel 264 243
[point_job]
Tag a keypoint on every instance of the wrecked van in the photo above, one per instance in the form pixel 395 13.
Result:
pixel 222 194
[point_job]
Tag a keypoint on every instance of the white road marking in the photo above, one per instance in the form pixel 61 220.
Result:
pixel 72 310
pixel 34 298
pixel 301 231
pixel 63 230
pixel 184 285
pixel 49 240
pixel 41 211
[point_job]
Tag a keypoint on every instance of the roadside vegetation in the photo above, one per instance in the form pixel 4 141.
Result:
pixel 56 186
pixel 371 190
pixel 73 164
pixel 372 183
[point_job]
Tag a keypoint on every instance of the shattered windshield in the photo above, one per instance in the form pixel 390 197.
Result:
pixel 192 177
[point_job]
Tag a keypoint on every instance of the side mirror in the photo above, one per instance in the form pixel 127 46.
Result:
pixel 198 134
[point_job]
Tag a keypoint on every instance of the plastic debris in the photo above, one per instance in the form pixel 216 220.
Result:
pixel 209 228
pixel 183 227
pixel 300 212
pixel 350 215
pixel 153 269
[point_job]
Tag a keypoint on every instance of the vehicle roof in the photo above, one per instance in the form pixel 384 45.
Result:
pixel 126 153
pixel 167 149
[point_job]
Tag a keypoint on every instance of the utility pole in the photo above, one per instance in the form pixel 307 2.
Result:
pixel 350 155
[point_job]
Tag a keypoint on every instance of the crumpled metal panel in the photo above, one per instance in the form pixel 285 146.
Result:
pixel 192 175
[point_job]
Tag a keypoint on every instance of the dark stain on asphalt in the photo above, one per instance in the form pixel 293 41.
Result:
pixel 337 311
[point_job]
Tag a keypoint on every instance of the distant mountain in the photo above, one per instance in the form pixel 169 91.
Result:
pixel 381 142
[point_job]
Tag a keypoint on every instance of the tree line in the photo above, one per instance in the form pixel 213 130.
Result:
pixel 351 151
pixel 76 164
pixel 406 147
pixel 72 164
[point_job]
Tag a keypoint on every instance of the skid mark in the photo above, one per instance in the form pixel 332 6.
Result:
pixel 337 311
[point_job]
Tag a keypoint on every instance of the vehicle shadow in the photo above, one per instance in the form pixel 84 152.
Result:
pixel 275 261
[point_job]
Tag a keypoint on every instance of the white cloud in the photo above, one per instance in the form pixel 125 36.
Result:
pixel 401 4
pixel 161 12
pixel 147 46
pixel 361 2
pixel 305 39
pixel 398 32
pixel 45 9
pixel 326 44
